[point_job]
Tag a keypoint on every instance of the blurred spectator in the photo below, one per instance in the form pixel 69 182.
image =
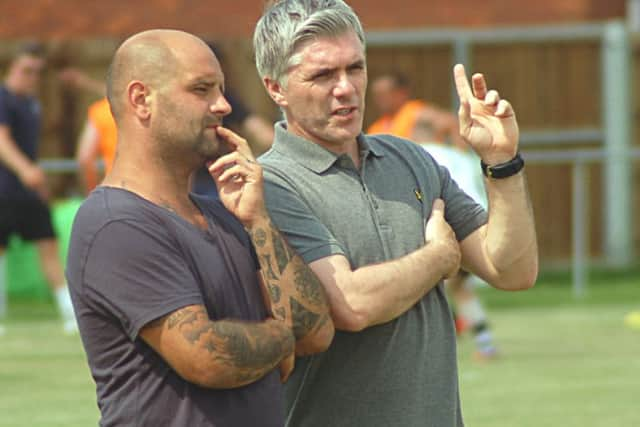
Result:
pixel 399 111
pixel 24 194
pixel 463 166
pixel 99 136
pixel 437 131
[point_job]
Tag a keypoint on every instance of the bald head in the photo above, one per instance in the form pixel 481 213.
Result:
pixel 152 57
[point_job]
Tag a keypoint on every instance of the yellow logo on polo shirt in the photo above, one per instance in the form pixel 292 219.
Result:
pixel 418 194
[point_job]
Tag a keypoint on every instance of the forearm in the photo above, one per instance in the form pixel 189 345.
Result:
pixel 12 157
pixel 510 241
pixel 383 292
pixel 219 354
pixel 296 295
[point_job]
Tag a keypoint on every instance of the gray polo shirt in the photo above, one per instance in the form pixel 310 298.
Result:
pixel 402 373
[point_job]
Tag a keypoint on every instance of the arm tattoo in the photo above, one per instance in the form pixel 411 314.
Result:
pixel 304 320
pixel 274 291
pixel 280 312
pixel 183 316
pixel 266 262
pixel 250 349
pixel 282 254
pixel 308 285
pixel 259 237
pixel 296 294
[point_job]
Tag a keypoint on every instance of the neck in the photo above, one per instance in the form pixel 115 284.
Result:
pixel 150 177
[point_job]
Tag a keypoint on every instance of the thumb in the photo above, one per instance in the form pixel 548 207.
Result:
pixel 438 208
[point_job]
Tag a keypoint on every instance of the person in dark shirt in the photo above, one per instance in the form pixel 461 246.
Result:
pixel 187 306
pixel 23 188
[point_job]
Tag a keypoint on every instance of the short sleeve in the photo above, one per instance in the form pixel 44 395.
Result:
pixel 462 213
pixel 303 230
pixel 137 274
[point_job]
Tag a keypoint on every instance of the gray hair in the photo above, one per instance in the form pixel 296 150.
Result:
pixel 287 24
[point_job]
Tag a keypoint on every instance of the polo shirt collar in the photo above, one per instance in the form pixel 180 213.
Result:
pixel 310 154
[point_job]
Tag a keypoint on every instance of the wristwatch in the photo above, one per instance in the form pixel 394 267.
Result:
pixel 503 170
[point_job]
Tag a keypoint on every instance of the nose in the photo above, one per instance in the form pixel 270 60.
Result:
pixel 344 87
pixel 220 106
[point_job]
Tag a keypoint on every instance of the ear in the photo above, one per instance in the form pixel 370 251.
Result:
pixel 276 92
pixel 139 99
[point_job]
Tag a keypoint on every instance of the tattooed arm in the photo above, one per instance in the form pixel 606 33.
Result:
pixel 218 354
pixel 294 292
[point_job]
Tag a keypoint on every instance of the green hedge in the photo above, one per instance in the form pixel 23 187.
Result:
pixel 24 275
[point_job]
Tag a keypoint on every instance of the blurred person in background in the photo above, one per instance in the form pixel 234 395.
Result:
pixel 399 111
pixel 463 164
pixel 98 139
pixel 24 194
pixel 437 131
pixel 381 223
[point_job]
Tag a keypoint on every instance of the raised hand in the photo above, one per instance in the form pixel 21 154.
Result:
pixel 239 179
pixel 487 122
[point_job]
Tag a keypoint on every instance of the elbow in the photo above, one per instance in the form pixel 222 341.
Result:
pixel 520 279
pixel 352 317
pixel 204 375
pixel 319 340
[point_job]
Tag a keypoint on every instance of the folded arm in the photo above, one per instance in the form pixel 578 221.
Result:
pixel 293 292
pixel 218 354
pixel 378 293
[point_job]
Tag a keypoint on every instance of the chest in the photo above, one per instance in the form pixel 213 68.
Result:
pixel 376 213
pixel 224 269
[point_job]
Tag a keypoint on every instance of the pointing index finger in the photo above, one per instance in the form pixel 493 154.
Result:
pixel 462 84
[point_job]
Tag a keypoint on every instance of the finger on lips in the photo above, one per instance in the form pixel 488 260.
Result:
pixel 237 142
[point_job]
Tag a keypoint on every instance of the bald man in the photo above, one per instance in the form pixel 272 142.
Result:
pixel 186 305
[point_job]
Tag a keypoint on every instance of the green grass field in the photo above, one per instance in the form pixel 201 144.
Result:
pixel 564 362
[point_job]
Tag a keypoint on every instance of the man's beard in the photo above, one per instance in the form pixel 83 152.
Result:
pixel 203 146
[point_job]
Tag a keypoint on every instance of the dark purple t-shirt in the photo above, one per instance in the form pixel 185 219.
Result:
pixel 130 262
pixel 21 114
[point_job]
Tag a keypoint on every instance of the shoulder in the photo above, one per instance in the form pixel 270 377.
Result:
pixel 277 167
pixel 106 205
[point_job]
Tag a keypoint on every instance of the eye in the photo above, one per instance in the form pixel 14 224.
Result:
pixel 322 75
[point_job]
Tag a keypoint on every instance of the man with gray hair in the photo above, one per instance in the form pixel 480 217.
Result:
pixel 381 224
